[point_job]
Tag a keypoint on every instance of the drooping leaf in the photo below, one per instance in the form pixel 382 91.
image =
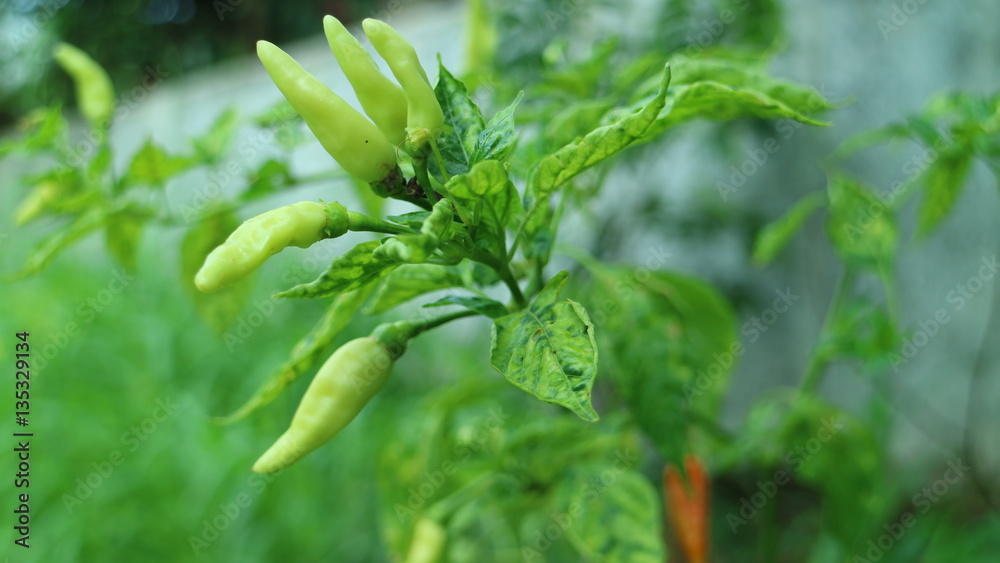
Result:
pixel 221 308
pixel 738 74
pixel 496 140
pixel 549 350
pixel 773 238
pixel 943 183
pixel 354 269
pixel 153 166
pixel 488 307
pixel 721 102
pixel 413 280
pixel 308 351
pixel 272 176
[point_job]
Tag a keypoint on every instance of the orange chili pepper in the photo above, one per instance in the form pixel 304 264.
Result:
pixel 688 510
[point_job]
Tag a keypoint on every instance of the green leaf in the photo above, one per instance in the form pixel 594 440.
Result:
pixel 773 238
pixel 672 342
pixel 735 74
pixel 152 166
pixel 463 122
pixel 497 140
pixel 81 226
pixel 558 168
pixel 487 307
pixel 353 270
pixel 621 522
pixel 849 489
pixel 721 102
pixel 222 308
pixel 44 128
pixel 309 351
pixel 862 228
pixel 413 280
pixel 214 144
pixel 123 237
pixel 549 350
pixel 943 183
pixel 272 176
pixel 485 197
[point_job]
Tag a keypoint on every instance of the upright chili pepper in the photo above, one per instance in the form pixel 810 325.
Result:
pixel 341 388
pixel 424 118
pixel 688 511
pixel 381 98
pixel 353 141
pixel 94 91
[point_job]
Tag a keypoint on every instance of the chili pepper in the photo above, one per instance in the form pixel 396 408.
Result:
pixel 257 239
pixel 94 92
pixel 381 98
pixel 353 141
pixel 342 387
pixel 38 200
pixel 688 512
pixel 427 543
pixel 424 118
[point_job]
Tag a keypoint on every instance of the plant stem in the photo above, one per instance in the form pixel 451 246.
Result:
pixel 818 360
pixel 420 171
pixel 440 160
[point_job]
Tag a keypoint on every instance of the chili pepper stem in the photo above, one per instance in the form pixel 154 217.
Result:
pixel 420 171
pixel 440 159
pixel 359 222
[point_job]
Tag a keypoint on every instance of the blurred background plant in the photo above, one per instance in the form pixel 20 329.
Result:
pixel 830 432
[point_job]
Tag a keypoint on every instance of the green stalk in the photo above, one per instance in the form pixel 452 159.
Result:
pixel 818 361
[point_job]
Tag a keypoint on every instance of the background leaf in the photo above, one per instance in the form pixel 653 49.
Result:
pixel 219 309
pixel 773 238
